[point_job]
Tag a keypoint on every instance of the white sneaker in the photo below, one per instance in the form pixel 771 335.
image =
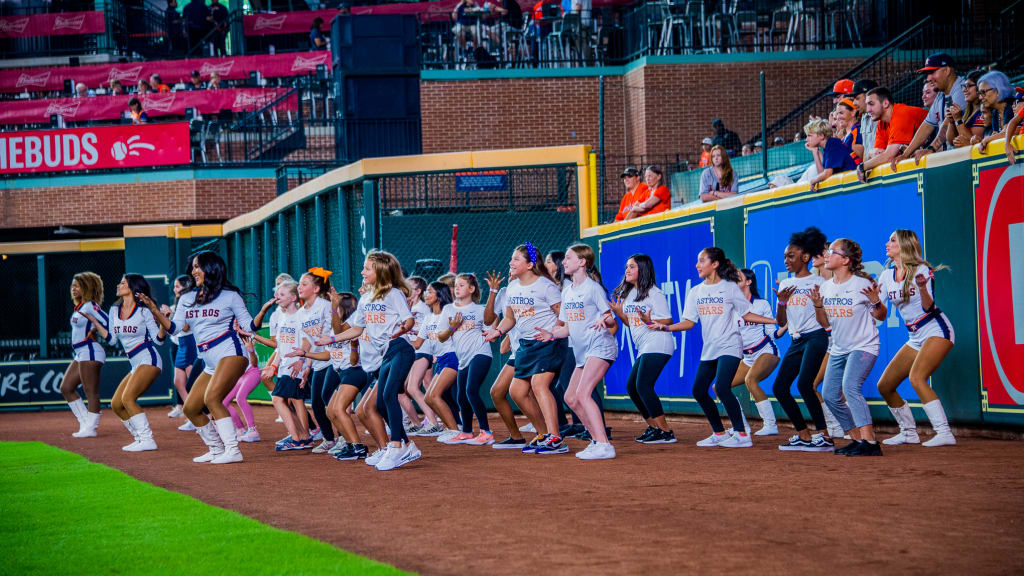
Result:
pixel 338 447
pixel 529 428
pixel 714 439
pixel 767 430
pixel 187 426
pixel 391 459
pixel 941 440
pixel 431 430
pixel 583 454
pixel 737 441
pixel 324 446
pixel 176 413
pixel 904 437
pixel 278 420
pixel 411 453
pixel 447 435
pixel 597 451
pixel 374 458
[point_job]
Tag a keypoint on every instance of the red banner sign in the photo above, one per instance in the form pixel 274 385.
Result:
pixel 59 24
pixel 285 22
pixel 162 104
pixel 94 148
pixel 170 71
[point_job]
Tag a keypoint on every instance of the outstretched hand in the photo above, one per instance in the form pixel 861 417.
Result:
pixel 494 280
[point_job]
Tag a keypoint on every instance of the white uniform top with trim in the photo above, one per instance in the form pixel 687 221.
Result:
pixel 316 321
pixel 468 338
pixel 582 306
pixel 892 291
pixel 135 331
pixel 499 309
pixel 85 349
pixel 341 353
pixel 849 314
pixel 716 307
pixel 800 317
pixel 648 341
pixel 419 312
pixel 289 338
pixel 380 318
pixel 213 319
pixel 429 329
pixel 531 305
pixel 753 333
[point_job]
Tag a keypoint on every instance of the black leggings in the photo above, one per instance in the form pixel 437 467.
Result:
pixel 325 382
pixel 393 371
pixel 470 404
pixel 804 357
pixel 640 384
pixel 722 372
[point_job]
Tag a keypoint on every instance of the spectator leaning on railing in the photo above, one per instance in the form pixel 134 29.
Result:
pixel 897 124
pixel 868 125
pixel 464 25
pixel 967 126
pixel 635 188
pixel 144 87
pixel 316 36
pixel 214 83
pixel 949 90
pixel 116 89
pixel 849 128
pixel 195 82
pixel 718 180
pixel 139 116
pixel 927 94
pixel 653 198
pixel 82 91
pixel 831 155
pixel 997 96
pixel 841 89
pixel 158 84
pixel 1014 127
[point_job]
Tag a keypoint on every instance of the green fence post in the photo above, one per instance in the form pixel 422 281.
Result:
pixel 282 243
pixel 236 260
pixel 43 336
pixel 254 260
pixel 321 237
pixel 344 238
pixel 268 261
pixel 371 236
pixel 299 252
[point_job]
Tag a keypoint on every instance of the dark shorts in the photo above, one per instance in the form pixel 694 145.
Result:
pixel 353 377
pixel 422 356
pixel 536 357
pixel 288 388
pixel 186 354
pixel 511 362
pixel 446 361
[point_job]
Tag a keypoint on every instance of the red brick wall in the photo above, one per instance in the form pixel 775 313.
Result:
pixel 134 203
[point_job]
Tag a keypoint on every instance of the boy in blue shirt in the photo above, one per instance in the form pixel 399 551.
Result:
pixel 831 155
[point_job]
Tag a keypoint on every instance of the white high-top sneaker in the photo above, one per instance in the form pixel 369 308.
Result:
pixel 131 430
pixel 90 423
pixel 144 441
pixel 768 425
pixel 212 440
pixel 226 429
pixel 943 435
pixel 908 428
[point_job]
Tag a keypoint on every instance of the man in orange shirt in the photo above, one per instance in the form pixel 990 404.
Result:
pixel 897 124
pixel 636 191
pixel 705 152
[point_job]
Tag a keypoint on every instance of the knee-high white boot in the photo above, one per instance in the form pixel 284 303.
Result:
pixel 229 436
pixel 908 428
pixel 768 425
pixel 144 441
pixel 212 440
pixel 131 430
pixel 943 435
pixel 90 422
pixel 78 408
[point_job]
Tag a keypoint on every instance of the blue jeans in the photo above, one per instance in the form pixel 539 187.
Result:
pixel 844 375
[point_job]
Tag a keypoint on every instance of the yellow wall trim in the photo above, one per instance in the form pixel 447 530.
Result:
pixel 151 230
pixel 54 246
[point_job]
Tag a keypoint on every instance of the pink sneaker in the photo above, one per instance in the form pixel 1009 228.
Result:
pixel 482 439
pixel 460 438
pixel 251 435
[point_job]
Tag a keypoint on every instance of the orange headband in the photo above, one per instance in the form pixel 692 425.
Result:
pixel 321 272
pixel 849 103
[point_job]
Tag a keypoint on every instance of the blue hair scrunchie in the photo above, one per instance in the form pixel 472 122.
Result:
pixel 531 252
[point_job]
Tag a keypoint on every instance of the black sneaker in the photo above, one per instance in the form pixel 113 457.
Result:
pixel 531 448
pixel 608 432
pixel 795 444
pixel 866 448
pixel 820 443
pixel 509 443
pixel 661 437
pixel 646 434
pixel 351 452
pixel 846 450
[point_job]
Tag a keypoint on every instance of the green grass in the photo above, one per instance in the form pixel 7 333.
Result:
pixel 61 514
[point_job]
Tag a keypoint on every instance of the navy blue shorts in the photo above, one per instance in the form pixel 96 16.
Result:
pixel 446 361
pixel 288 388
pixel 353 377
pixel 536 357
pixel 186 354
pixel 511 362
pixel 427 357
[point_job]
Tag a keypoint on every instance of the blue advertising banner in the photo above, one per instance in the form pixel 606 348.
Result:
pixel 37 383
pixel 868 216
pixel 674 252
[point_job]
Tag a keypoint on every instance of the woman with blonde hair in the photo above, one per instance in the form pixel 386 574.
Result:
pixel 910 285
pixel 87 355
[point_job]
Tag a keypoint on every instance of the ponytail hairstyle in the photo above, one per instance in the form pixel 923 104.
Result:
pixel 645 279
pixel 530 254
pixel 347 304
pixel 910 255
pixel 388 274
pixel 137 284
pixel 559 275
pixel 215 277
pixel 417 283
pixel 586 253
pixel 470 278
pixel 444 293
pixel 726 269
pixel 855 256
pixel 448 279
pixel 811 241
pixel 322 280
pixel 749 275
pixel 90 285
pixel 188 284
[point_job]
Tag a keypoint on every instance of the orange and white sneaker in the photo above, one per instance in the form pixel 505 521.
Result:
pixel 484 438
pixel 460 438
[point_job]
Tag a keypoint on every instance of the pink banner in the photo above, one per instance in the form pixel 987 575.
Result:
pixel 94 148
pixel 59 24
pixel 285 22
pixel 163 104
pixel 171 71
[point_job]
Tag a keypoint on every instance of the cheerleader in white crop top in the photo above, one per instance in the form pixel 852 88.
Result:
pixel 135 327
pixel 760 354
pixel 909 285
pixel 87 355
pixel 212 311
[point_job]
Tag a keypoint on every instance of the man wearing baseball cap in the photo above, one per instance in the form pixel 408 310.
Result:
pixel 868 125
pixel 841 89
pixel 949 91
pixel 705 152
pixel 635 190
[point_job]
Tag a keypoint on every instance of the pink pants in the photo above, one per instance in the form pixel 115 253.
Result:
pixel 240 394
